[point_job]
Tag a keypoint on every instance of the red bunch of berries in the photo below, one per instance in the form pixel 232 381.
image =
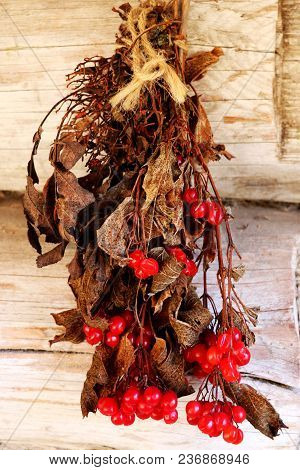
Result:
pixel 143 404
pixel 118 324
pixel 190 265
pixel 142 337
pixel 143 267
pixel 224 352
pixel 209 210
pixel 216 418
pixel 92 335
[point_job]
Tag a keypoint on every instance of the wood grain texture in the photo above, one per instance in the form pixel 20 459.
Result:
pixel 39 403
pixel 40 41
pixel 288 78
pixel 40 387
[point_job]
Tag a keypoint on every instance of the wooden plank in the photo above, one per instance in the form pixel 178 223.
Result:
pixel 28 295
pixel 41 41
pixel 45 390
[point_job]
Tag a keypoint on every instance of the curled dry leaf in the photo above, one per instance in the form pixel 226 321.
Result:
pixel 70 154
pixel 170 367
pixel 73 322
pixel 169 271
pixel 124 358
pixel 88 287
pixel 238 272
pixel 191 322
pixel 72 199
pixel 53 256
pixel 112 237
pixel 159 177
pixel 260 412
pixel 197 64
pixel 96 378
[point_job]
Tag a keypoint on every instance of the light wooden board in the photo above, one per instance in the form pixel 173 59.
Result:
pixel 40 387
pixel 39 402
pixel 40 41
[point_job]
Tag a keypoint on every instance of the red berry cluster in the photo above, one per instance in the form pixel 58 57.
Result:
pixel 148 403
pixel 224 352
pixel 209 210
pixel 118 324
pixel 143 267
pixel 215 418
pixel 190 265
pixel 141 337
pixel 92 335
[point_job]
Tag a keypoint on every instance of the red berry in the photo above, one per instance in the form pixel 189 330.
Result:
pixel 157 414
pixel 131 396
pixel 227 408
pixel 190 195
pixel 128 317
pixel 230 433
pixel 111 339
pixel 207 367
pixel 213 355
pixel 198 210
pixel 178 253
pixel 169 401
pixel 131 338
pixel 148 267
pixel 193 409
pixel 86 329
pixel 135 258
pixel 117 325
pixel 118 418
pixel 235 334
pixel 207 408
pixel 180 159
pixel 192 421
pixel 198 353
pixel 224 342
pixel 207 424
pixel 210 338
pixel 229 370
pixel 238 414
pixel 107 406
pixel 222 420
pixel 171 417
pixel 215 214
pixel 140 273
pixel 199 372
pixel 242 356
pixel 239 437
pixel 141 415
pixel 145 342
pixel 147 331
pixel 129 419
pixel 152 395
pixel 95 338
pixel 144 407
pixel 190 268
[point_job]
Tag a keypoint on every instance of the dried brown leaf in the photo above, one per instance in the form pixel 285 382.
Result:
pixel 170 367
pixel 159 177
pixel 197 64
pixel 96 378
pixel 112 237
pixel 169 271
pixel 260 413
pixel 72 199
pixel 73 322
pixel 53 256
pixel 238 272
pixel 124 358
pixel 70 154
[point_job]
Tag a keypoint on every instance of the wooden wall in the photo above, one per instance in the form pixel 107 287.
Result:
pixel 251 95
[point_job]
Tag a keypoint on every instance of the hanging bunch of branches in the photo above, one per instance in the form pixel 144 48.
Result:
pixel 145 222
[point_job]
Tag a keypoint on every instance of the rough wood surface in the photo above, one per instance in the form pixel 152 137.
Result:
pixel 40 41
pixel 40 387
